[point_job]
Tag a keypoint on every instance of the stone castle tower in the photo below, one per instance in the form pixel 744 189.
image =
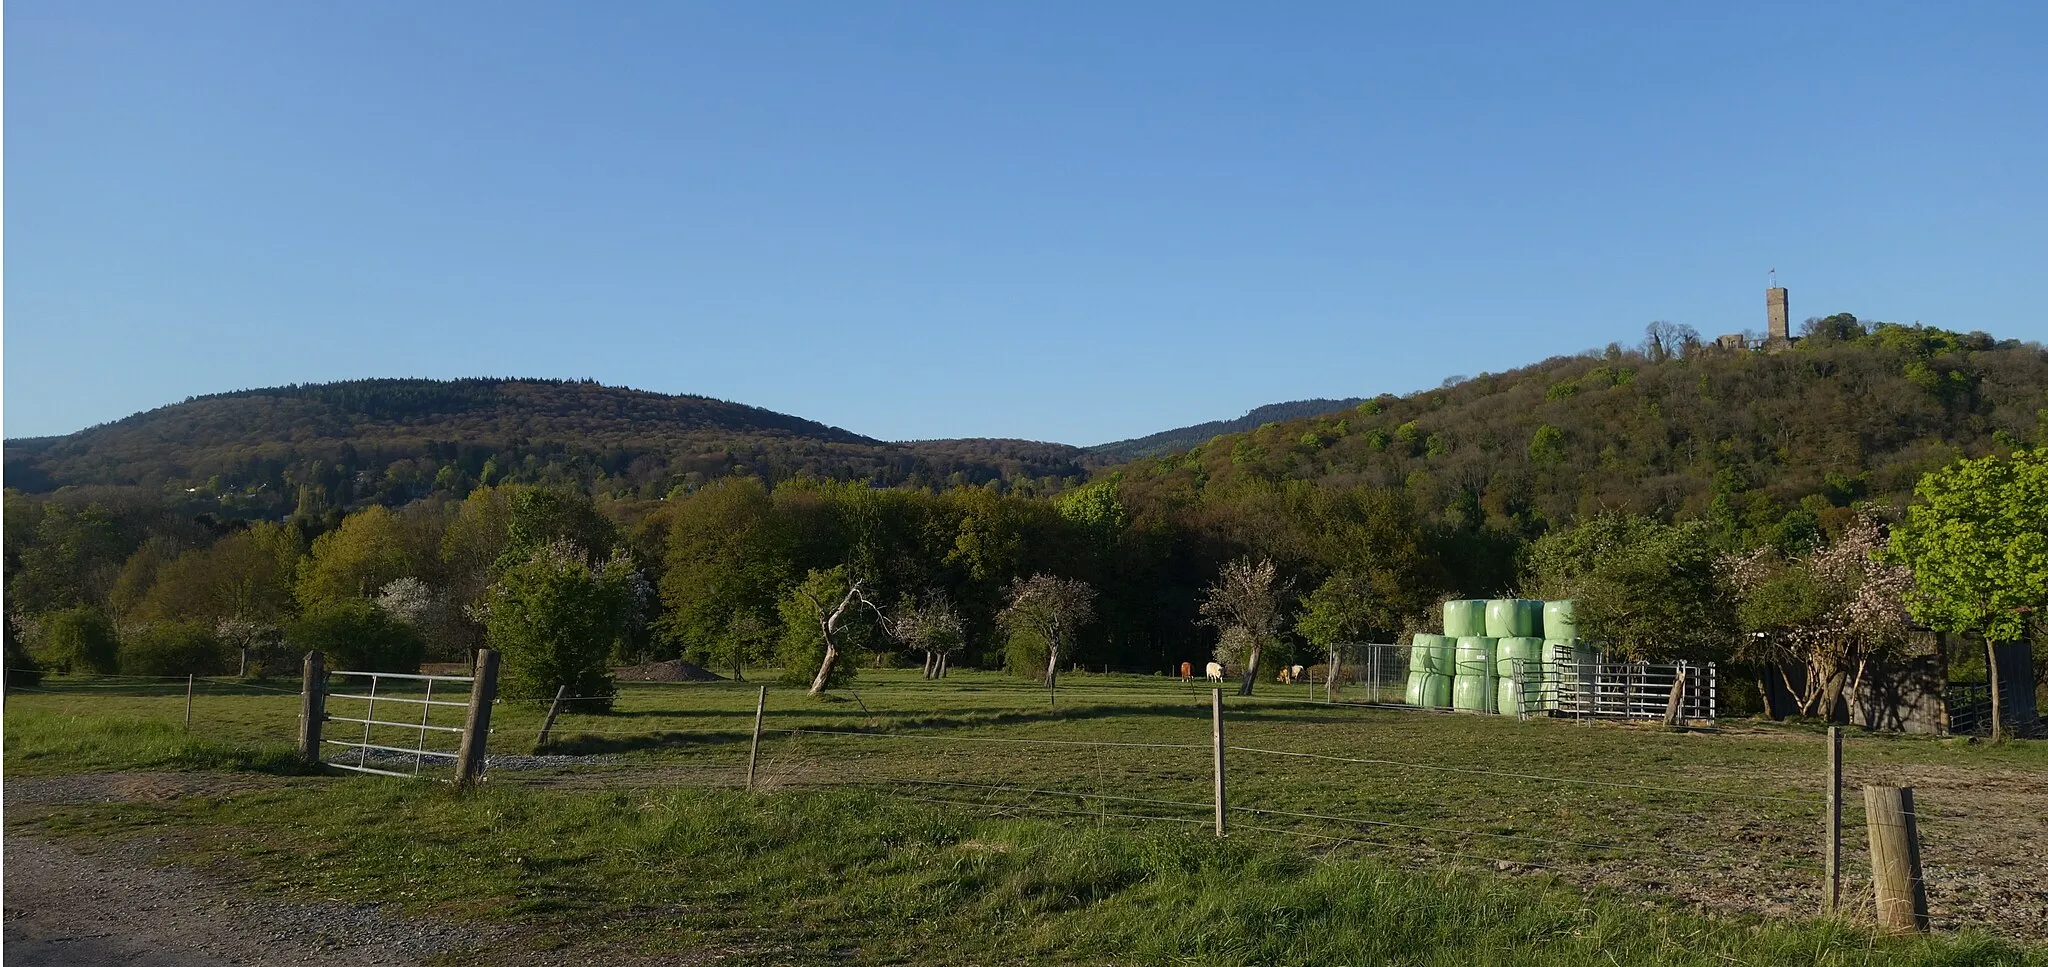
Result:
pixel 1780 315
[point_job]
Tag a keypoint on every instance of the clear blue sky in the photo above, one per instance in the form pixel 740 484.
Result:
pixel 1068 221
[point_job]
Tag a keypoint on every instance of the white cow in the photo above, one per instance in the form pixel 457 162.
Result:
pixel 1215 671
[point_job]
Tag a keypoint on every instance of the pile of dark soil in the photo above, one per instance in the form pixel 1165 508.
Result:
pixel 665 671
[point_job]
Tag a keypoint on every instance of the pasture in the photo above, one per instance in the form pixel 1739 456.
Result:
pixel 1703 827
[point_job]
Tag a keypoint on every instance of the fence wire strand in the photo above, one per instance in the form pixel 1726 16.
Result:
pixel 1710 794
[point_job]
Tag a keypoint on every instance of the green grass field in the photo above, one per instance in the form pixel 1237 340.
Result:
pixel 972 815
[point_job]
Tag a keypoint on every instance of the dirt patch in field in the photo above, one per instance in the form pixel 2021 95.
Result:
pixel 1984 854
pixel 666 671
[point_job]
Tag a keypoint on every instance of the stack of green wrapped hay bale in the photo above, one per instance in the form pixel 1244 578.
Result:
pixel 1471 666
pixel 1561 644
pixel 1429 671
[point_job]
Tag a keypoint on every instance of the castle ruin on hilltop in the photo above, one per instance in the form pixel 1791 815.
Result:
pixel 1778 320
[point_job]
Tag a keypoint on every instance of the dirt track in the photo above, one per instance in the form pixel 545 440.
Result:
pixel 64 908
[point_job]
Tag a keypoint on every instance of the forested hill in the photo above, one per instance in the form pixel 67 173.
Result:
pixel 1167 441
pixel 1771 444
pixel 269 451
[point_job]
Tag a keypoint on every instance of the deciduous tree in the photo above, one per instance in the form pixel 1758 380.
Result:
pixel 1050 611
pixel 1976 539
pixel 1247 596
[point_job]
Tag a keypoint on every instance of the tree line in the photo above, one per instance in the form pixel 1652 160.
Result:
pixel 1700 504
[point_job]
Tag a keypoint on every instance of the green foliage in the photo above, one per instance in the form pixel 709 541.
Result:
pixel 368 551
pixel 557 619
pixel 1095 507
pixel 1547 446
pixel 1339 611
pixel 247 574
pixel 358 636
pixel 802 650
pixel 728 557
pixel 544 515
pixel 80 639
pixel 22 670
pixel 1646 590
pixel 173 648
pixel 1977 543
pixel 1025 655
pixel 59 556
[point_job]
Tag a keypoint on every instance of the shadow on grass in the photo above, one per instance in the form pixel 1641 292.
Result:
pixel 569 741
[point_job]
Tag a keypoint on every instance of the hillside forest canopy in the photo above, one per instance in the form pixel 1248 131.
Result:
pixel 1757 498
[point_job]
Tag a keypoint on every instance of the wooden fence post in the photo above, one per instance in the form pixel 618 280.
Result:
pixel 312 706
pixel 1831 895
pixel 188 703
pixel 1216 739
pixel 548 724
pixel 476 729
pixel 754 752
pixel 1895 859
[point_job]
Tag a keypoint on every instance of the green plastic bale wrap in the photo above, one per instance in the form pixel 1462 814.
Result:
pixel 1471 693
pixel 1511 695
pixel 1436 691
pixel 1507 618
pixel 1535 609
pixel 1464 619
pixel 1431 653
pixel 1558 620
pixel 1429 690
pixel 1528 650
pixel 1472 690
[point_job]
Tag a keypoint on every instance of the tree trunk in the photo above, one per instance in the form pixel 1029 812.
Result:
pixel 1052 675
pixel 1832 678
pixel 1251 671
pixel 1763 692
pixel 824 669
pixel 930 665
pixel 1330 671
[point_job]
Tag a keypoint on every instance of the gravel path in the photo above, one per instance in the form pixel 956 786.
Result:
pixel 65 908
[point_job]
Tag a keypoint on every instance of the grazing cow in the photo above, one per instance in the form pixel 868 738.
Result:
pixel 1187 670
pixel 1298 671
pixel 1215 672
pixel 1285 676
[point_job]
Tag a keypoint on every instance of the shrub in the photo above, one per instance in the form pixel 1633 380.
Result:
pixel 22 670
pixel 802 649
pixel 1025 654
pixel 173 648
pixel 356 635
pixel 557 619
pixel 80 639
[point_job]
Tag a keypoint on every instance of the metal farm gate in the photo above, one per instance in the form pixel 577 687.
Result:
pixel 397 724
pixel 1629 690
pixel 392 690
